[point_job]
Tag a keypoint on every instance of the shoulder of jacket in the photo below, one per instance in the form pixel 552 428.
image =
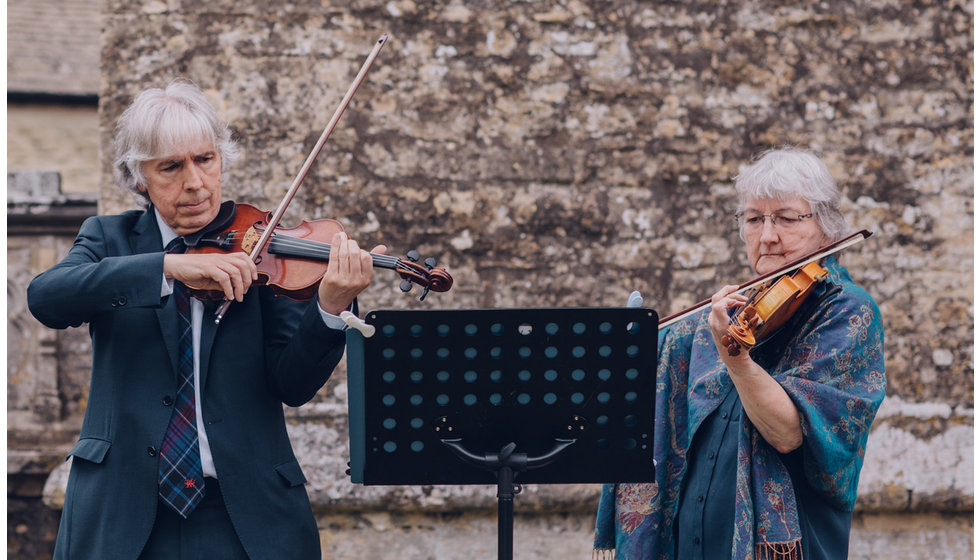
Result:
pixel 125 219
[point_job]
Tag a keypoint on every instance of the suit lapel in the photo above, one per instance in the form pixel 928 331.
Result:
pixel 146 238
pixel 208 331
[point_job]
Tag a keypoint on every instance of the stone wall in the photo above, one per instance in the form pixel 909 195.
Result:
pixel 47 370
pixel 565 153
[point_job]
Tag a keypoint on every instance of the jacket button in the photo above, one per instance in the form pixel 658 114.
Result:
pixel 151 451
pixel 122 300
pixel 168 400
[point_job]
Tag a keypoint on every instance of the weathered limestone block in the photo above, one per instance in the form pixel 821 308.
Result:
pixel 47 373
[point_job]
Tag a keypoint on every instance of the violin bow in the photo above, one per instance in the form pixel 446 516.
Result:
pixel 824 251
pixel 305 169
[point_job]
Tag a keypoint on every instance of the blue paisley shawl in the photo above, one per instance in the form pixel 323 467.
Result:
pixel 829 358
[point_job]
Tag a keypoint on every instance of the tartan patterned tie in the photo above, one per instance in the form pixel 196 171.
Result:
pixel 181 475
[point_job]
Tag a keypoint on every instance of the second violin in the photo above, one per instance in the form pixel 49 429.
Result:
pixel 769 306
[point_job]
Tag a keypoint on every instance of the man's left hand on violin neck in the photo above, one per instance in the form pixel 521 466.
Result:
pixel 349 272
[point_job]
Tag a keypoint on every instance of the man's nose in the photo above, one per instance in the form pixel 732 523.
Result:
pixel 193 176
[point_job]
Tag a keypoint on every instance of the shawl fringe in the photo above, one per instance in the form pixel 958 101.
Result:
pixel 604 554
pixel 792 550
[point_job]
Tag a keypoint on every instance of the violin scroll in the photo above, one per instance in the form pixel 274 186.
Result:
pixel 429 276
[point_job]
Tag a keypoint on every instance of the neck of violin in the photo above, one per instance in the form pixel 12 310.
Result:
pixel 315 250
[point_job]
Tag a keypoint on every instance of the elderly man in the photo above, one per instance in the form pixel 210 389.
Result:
pixel 183 451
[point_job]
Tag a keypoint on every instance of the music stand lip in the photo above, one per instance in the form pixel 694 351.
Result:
pixel 506 456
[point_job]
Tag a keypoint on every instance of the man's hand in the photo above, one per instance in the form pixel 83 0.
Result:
pixel 230 273
pixel 349 271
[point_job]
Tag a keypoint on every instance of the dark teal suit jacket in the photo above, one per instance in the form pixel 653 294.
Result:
pixel 267 351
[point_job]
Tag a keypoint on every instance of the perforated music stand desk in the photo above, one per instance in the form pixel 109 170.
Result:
pixel 486 396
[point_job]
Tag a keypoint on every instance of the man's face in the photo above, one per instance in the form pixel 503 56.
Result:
pixel 185 188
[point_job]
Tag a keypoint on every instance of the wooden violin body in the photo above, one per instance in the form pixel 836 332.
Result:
pixel 294 259
pixel 769 306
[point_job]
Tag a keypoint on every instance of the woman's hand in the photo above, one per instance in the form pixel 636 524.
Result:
pixel 723 300
pixel 766 403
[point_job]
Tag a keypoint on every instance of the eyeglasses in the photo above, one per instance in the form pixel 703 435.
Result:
pixel 754 221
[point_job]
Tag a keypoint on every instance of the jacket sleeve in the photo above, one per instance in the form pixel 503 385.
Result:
pixel 98 275
pixel 301 351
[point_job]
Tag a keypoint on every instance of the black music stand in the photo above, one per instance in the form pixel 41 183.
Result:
pixel 547 395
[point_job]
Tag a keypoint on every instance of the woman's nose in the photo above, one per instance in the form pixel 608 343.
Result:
pixel 769 233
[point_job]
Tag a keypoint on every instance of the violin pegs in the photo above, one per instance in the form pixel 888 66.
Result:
pixel 729 343
pixel 413 255
pixel 430 263
pixel 405 286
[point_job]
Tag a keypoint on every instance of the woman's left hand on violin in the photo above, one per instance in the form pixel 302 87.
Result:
pixel 349 271
pixel 766 403
pixel 719 320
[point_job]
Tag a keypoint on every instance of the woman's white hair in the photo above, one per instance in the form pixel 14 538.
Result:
pixel 166 122
pixel 791 172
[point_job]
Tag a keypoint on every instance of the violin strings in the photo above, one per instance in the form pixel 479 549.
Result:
pixel 298 247
pixel 286 244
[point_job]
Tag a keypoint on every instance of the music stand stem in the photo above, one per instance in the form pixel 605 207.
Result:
pixel 504 463
pixel 505 513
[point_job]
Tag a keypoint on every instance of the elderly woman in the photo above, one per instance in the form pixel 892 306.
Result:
pixel 183 451
pixel 757 455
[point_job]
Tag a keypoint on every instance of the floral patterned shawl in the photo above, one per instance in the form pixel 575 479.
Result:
pixel 829 358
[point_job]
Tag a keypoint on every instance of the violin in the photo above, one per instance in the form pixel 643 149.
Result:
pixel 773 297
pixel 769 306
pixel 307 244
pixel 294 259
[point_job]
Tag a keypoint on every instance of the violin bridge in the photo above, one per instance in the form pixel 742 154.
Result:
pixel 249 239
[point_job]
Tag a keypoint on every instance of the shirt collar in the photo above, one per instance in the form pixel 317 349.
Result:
pixel 167 234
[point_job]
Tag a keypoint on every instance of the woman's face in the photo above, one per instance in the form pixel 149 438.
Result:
pixel 795 233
